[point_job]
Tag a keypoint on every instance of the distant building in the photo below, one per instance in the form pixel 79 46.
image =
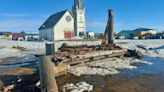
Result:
pixel 140 32
pixel 158 36
pixel 31 37
pixel 90 34
pixel 1 35
pixel 6 35
pixel 65 24
pixel 125 34
pixel 17 37
pixel 23 33
pixel 99 35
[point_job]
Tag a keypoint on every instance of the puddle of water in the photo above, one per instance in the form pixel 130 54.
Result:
pixel 146 78
pixel 155 68
pixel 18 64
pixel 13 65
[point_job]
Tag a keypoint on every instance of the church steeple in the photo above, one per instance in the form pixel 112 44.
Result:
pixel 78 4
pixel 79 16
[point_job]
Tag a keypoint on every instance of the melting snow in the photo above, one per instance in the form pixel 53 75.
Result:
pixel 106 66
pixel 79 87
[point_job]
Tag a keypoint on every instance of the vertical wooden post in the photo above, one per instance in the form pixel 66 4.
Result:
pixel 47 77
pixel 111 27
pixel 50 51
pixel 109 31
pixel 50 48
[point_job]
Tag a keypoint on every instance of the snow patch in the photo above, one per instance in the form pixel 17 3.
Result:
pixel 152 48
pixel 79 87
pixel 106 66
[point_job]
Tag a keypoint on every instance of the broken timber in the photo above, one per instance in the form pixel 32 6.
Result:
pixel 94 56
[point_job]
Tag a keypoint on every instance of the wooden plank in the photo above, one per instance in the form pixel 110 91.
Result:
pixel 60 70
pixel 89 59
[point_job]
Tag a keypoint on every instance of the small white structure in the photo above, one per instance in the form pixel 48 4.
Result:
pixel 121 37
pixel 135 37
pixel 90 34
pixel 65 24
pixel 20 39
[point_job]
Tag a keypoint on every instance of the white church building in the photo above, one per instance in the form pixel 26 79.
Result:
pixel 65 24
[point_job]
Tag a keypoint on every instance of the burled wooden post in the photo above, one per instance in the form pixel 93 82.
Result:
pixel 47 77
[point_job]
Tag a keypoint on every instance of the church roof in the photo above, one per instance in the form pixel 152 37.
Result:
pixel 52 20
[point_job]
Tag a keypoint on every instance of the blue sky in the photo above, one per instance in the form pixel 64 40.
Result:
pixel 28 15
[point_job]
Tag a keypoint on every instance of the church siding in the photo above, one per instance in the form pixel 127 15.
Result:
pixel 62 26
pixel 46 34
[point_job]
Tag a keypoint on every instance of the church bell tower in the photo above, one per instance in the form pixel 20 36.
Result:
pixel 79 14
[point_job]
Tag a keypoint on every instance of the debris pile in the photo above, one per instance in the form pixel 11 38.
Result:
pixel 68 53
pixel 19 48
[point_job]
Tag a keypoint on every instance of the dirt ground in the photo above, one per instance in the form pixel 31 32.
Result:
pixel 110 83
pixel 146 82
pixel 118 83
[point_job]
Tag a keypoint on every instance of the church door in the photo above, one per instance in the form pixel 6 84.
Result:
pixel 68 34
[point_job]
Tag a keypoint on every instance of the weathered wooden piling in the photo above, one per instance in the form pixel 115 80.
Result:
pixel 111 27
pixel 47 77
pixel 109 31
pixel 50 48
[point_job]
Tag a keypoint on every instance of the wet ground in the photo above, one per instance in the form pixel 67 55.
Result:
pixel 143 79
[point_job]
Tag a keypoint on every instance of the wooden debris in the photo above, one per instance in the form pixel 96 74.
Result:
pixel 67 52
pixel 60 70
pixel 19 48
pixel 93 58
pixel 8 88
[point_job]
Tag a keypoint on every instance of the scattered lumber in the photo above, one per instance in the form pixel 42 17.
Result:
pixel 93 57
pixel 19 48
pixel 73 52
